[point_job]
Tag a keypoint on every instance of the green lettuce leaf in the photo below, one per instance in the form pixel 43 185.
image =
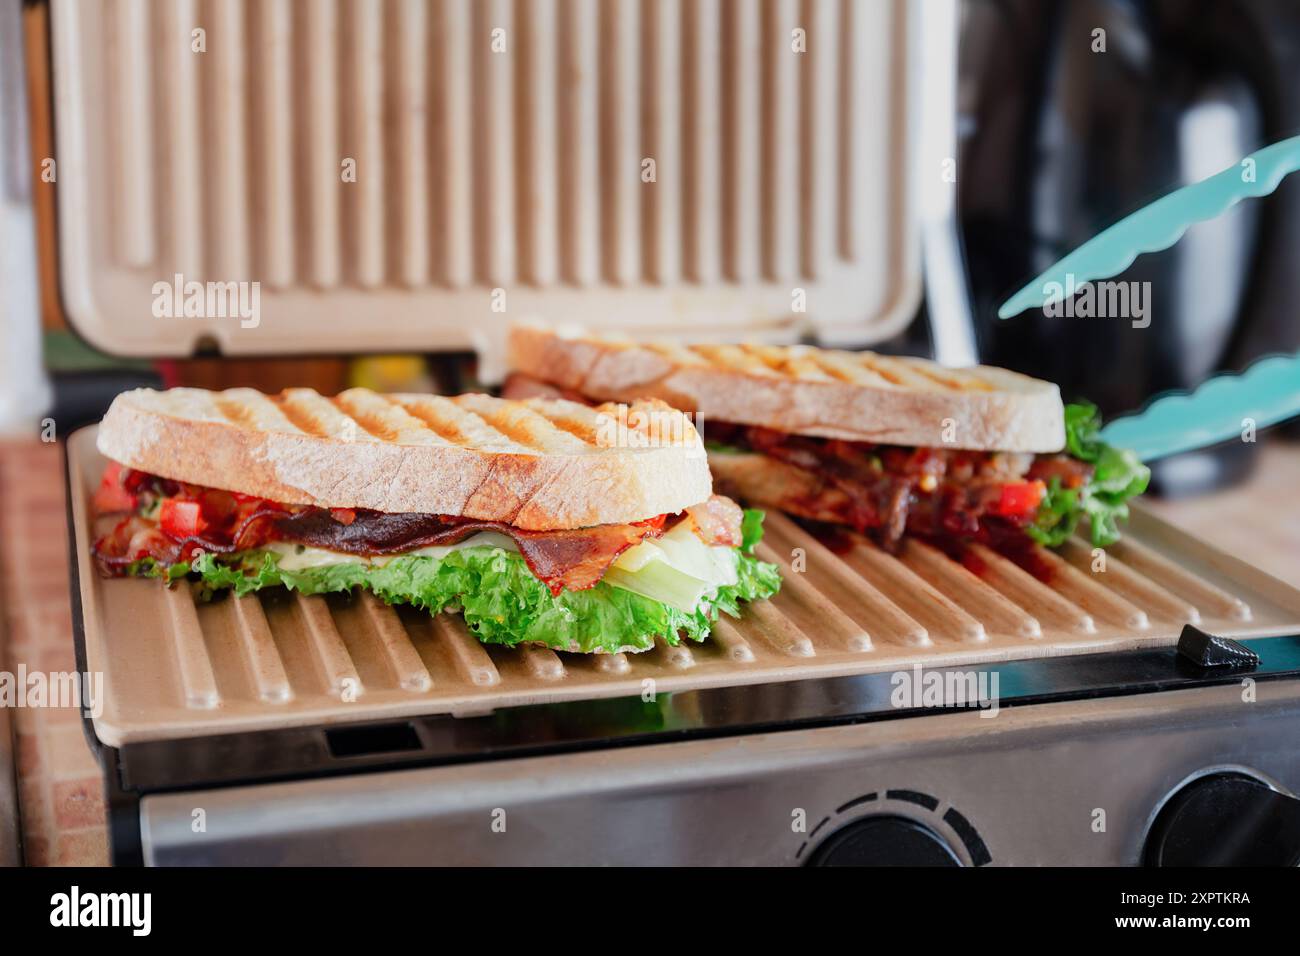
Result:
pixel 751 529
pixel 150 568
pixel 1083 431
pixel 1058 515
pixel 1117 476
pixel 500 598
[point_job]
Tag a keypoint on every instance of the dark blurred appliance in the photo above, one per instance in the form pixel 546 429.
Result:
pixel 1105 106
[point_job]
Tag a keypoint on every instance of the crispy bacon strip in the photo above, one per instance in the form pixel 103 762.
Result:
pixel 717 521
pixel 573 560
pixel 891 490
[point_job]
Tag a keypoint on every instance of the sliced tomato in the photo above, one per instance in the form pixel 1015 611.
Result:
pixel 180 518
pixel 1020 498
pixel 111 496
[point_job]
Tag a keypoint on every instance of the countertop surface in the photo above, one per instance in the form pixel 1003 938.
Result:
pixel 1257 521
pixel 60 796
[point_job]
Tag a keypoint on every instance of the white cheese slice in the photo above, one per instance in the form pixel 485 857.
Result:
pixel 296 557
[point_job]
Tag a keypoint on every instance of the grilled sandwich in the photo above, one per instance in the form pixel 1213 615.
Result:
pixel 886 445
pixel 543 521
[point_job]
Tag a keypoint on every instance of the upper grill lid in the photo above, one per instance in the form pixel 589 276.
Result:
pixel 704 169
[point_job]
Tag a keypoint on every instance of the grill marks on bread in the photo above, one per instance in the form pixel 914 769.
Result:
pixel 804 390
pixel 543 464
pixel 541 426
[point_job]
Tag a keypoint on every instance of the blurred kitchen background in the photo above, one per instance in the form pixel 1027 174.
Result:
pixel 1054 139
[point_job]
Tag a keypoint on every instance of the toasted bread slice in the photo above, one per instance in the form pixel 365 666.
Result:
pixel 856 396
pixel 759 480
pixel 538 464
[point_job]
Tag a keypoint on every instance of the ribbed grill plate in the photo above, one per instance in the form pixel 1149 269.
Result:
pixel 175 668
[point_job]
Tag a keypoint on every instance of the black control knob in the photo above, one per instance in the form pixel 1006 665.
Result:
pixel 1226 819
pixel 884 841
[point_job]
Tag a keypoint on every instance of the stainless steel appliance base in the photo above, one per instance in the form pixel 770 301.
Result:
pixel 1076 782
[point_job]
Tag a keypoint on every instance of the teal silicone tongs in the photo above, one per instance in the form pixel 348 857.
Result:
pixel 1266 393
